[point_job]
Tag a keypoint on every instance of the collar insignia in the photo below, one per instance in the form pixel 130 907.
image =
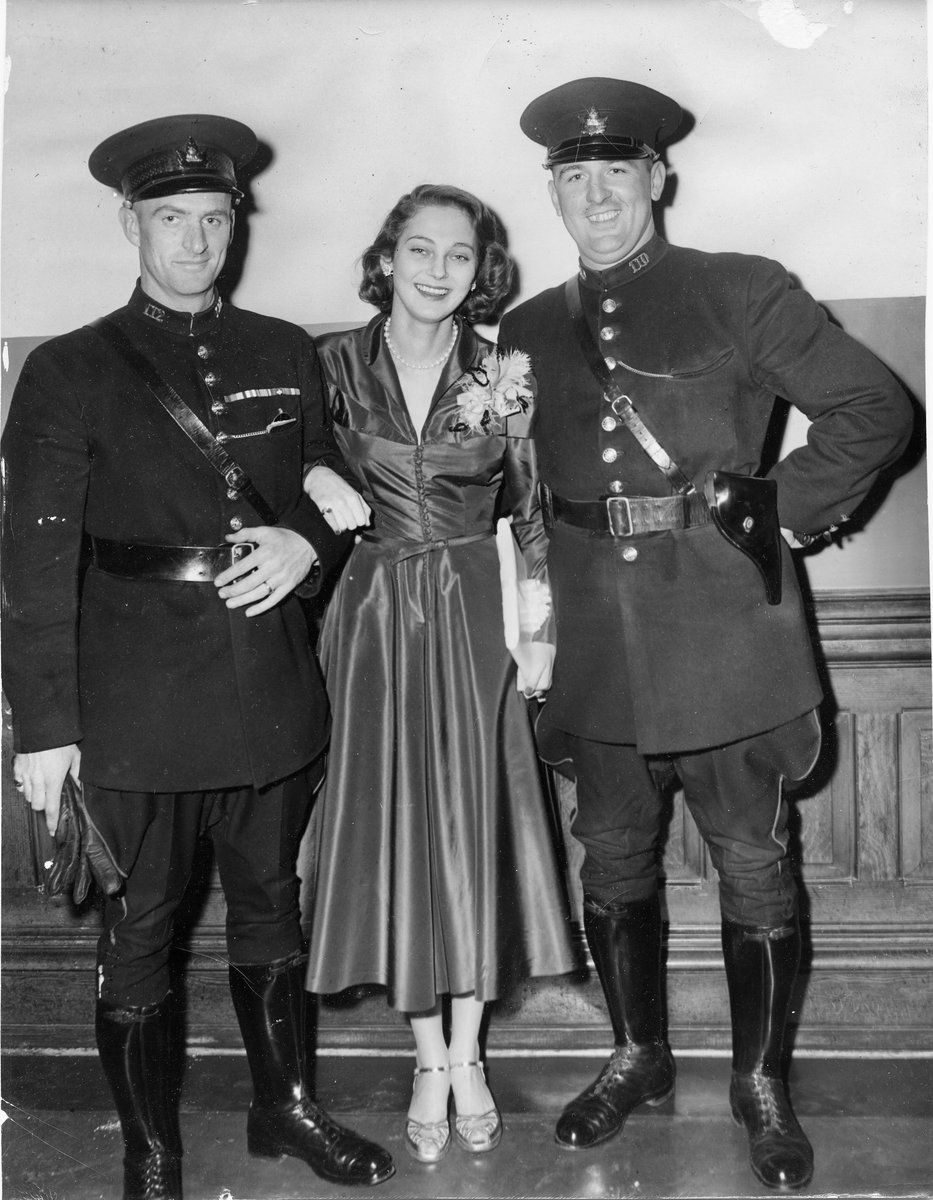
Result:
pixel 593 123
pixel 154 313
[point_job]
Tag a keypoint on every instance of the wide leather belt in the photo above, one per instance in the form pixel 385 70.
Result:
pixel 628 516
pixel 184 564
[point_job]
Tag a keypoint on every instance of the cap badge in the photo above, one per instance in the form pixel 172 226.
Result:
pixel 593 123
pixel 193 153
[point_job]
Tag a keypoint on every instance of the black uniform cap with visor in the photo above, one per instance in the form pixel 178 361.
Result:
pixel 191 152
pixel 600 119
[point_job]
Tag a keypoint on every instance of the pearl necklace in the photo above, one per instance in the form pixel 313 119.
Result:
pixel 393 350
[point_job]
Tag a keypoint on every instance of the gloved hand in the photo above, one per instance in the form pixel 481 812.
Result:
pixel 80 851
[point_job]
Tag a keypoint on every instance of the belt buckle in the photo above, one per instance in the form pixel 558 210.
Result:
pixel 620 516
pixel 241 550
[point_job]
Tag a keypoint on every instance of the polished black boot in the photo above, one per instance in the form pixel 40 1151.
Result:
pixel 625 942
pixel 135 1052
pixel 761 966
pixel 270 1006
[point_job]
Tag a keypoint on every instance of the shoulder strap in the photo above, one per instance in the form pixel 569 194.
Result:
pixel 621 404
pixel 233 474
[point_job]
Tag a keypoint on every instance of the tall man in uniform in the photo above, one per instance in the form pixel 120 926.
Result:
pixel 680 642
pixel 179 684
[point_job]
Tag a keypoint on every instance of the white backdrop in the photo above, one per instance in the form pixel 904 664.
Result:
pixel 808 146
pixel 812 155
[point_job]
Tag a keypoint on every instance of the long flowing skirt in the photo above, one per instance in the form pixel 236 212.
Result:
pixel 433 844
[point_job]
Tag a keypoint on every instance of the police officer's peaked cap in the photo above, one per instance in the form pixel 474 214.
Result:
pixel 186 153
pixel 600 119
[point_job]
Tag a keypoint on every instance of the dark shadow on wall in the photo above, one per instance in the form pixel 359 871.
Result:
pixel 232 272
pixel 669 192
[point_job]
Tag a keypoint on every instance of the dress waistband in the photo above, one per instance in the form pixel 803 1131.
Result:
pixel 409 549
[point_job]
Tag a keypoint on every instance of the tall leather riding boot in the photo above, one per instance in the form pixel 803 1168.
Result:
pixel 135 1049
pixel 270 1007
pixel 761 966
pixel 625 942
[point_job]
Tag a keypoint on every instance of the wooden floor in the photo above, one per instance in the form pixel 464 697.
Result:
pixel 870 1122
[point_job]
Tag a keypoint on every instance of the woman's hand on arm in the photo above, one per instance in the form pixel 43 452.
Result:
pixel 342 507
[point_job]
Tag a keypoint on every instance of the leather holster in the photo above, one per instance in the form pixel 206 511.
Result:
pixel 744 510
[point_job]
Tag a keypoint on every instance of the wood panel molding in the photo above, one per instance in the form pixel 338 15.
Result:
pixel 864 839
pixel 874 628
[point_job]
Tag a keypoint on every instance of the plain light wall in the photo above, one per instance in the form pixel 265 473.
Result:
pixel 814 156
pixel 808 146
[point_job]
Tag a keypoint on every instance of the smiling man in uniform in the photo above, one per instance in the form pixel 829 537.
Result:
pixel 682 643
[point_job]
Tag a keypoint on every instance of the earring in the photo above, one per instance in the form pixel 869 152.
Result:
pixel 473 286
pixel 386 268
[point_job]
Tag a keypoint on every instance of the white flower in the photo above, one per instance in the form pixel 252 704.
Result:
pixel 473 407
pixel 497 388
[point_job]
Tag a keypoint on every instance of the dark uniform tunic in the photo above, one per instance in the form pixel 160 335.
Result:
pixel 665 640
pixel 163 687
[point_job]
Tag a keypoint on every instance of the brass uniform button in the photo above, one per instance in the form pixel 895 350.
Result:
pixel 236 523
pixel 630 554
pixel 610 455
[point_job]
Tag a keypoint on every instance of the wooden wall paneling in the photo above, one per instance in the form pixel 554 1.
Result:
pixel 865 831
pixel 565 794
pixel 685 857
pixel 17 856
pixel 827 816
pixel 916 796
pixel 876 758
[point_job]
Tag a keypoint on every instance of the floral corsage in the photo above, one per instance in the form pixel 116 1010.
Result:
pixel 498 388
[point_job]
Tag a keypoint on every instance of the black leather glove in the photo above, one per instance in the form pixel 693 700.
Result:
pixel 80 851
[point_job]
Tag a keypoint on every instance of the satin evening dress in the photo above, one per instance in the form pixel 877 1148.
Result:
pixel 432 849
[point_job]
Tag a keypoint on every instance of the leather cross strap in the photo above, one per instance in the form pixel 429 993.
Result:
pixel 192 425
pixel 621 404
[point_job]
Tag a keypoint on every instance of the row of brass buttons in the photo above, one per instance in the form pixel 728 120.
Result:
pixel 218 408
pixel 609 423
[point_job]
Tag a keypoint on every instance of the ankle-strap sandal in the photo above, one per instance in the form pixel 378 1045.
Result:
pixel 427 1141
pixel 477 1134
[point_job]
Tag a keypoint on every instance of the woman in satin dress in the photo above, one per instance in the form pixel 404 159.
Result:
pixel 434 867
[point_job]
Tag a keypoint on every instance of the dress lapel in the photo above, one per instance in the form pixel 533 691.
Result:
pixel 379 360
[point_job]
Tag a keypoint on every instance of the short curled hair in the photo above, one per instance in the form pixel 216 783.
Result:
pixel 495 268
